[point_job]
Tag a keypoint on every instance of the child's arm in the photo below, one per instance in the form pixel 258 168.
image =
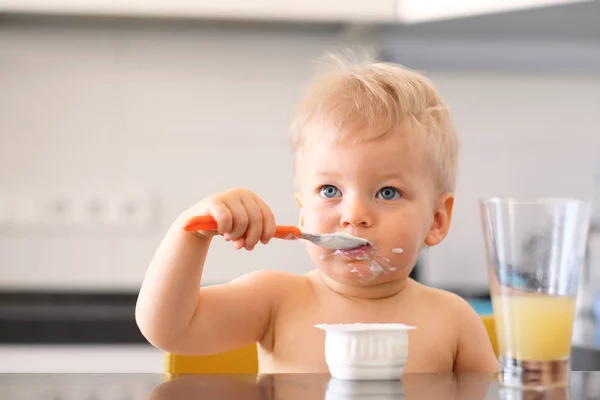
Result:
pixel 175 315
pixel 475 352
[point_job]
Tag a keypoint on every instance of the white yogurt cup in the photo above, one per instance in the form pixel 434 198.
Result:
pixel 366 351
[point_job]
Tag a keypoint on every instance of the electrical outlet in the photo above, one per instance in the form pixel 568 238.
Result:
pixel 92 210
pixel 135 209
pixel 116 210
pixel 57 210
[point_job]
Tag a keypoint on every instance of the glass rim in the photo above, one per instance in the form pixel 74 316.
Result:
pixel 532 200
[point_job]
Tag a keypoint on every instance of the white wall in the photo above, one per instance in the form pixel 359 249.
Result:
pixel 522 135
pixel 180 112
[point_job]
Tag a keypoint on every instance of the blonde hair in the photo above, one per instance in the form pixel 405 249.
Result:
pixel 365 100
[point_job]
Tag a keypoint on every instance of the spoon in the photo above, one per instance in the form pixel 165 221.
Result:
pixel 335 241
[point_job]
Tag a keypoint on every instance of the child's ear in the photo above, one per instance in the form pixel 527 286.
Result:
pixel 441 220
pixel 301 219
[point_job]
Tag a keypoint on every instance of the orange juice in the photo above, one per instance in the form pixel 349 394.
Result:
pixel 534 326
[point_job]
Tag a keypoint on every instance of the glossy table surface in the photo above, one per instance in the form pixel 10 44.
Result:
pixel 584 385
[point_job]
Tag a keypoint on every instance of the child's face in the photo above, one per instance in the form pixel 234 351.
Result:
pixel 383 191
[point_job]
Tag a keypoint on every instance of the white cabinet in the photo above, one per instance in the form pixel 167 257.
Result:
pixel 278 10
pixel 372 11
pixel 69 359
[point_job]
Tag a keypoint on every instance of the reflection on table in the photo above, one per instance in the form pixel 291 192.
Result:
pixel 584 385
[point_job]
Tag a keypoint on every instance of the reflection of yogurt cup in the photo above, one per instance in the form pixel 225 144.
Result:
pixel 367 390
pixel 366 351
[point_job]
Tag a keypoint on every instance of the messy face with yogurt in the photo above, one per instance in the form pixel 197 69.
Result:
pixel 381 189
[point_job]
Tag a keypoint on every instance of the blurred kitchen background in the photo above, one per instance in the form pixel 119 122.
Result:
pixel 116 116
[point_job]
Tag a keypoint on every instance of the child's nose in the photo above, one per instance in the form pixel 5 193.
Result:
pixel 356 213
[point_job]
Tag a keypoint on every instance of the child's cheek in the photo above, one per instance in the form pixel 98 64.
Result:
pixel 316 221
pixel 316 253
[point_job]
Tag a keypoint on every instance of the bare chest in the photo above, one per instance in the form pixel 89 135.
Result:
pixel 298 346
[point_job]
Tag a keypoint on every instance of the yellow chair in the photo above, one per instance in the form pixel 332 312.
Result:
pixel 490 326
pixel 245 359
pixel 240 361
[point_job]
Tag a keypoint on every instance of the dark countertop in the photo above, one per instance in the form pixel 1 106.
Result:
pixel 584 385
pixel 36 317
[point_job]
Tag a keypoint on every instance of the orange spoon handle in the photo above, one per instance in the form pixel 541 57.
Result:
pixel 208 223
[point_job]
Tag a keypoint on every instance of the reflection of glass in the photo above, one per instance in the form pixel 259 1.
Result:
pixel 519 394
pixel 535 249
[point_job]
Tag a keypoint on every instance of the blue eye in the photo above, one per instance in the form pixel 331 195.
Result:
pixel 388 193
pixel 329 191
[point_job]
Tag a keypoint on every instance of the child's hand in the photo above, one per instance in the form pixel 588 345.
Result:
pixel 242 217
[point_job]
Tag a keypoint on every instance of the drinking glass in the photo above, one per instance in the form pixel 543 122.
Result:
pixel 535 249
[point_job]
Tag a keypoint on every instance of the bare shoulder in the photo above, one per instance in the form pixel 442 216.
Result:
pixel 458 314
pixel 266 277
pixel 277 286
pixel 278 281
pixel 473 349
pixel 446 302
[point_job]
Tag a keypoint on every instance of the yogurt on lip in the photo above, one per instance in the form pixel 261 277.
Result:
pixel 358 253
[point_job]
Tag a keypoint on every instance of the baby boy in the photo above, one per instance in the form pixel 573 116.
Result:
pixel 375 156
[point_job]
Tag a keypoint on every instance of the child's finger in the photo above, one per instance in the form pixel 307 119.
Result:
pixel 221 213
pixel 255 222
pixel 239 243
pixel 268 219
pixel 240 219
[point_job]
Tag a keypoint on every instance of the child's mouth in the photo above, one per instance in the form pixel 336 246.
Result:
pixel 360 252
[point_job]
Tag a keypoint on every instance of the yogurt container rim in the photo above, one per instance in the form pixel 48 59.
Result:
pixel 365 327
